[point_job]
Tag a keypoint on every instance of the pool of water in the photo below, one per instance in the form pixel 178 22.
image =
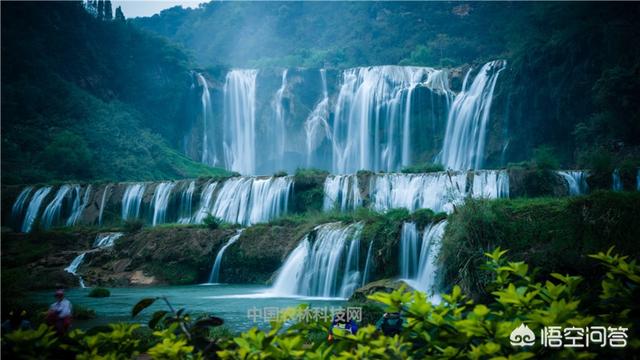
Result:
pixel 241 306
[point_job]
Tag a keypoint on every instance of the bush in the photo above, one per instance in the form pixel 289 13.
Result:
pixel 134 225
pixel 212 222
pixel 545 159
pixel 280 173
pixel 99 292
pixel 422 168
pixel 83 313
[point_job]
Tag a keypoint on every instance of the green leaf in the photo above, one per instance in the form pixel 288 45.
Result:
pixel 157 316
pixel 141 305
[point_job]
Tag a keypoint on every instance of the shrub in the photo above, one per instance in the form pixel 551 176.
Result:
pixel 83 313
pixel 280 173
pixel 422 168
pixel 134 225
pixel 545 159
pixel 212 222
pixel 99 292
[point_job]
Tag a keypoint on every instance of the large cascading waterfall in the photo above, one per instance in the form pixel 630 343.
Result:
pixel 576 181
pixel 372 115
pixel 438 191
pixel 34 208
pixel 214 276
pixel 465 137
pixel 240 121
pixel 315 266
pixel 186 203
pixel 161 201
pixel 131 201
pixel 52 213
pixel 341 192
pixel 206 201
pixel 248 200
pixel 78 204
pixel 316 126
pixel 490 184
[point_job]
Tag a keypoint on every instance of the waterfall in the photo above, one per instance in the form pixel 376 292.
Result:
pixel 78 205
pixel 104 240
pixel 427 268
pixel 616 181
pixel 102 202
pixel 352 275
pixel 73 268
pixel 247 200
pixel 52 213
pixel 576 181
pixel 316 126
pixel 638 180
pixel 372 114
pixel 18 205
pixel 186 204
pixel 214 276
pixel 313 268
pixel 490 184
pixel 408 250
pixel 277 136
pixel 438 191
pixel 464 140
pixel 367 265
pixel 209 155
pixel 161 201
pixel 341 192
pixel 131 201
pixel 34 207
pixel 240 121
pixel 206 198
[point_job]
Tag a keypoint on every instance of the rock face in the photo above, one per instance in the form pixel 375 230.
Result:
pixel 384 285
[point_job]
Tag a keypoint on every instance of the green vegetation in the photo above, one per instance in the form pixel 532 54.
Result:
pixel 212 222
pixel 422 168
pixel 99 292
pixel 547 233
pixel 456 327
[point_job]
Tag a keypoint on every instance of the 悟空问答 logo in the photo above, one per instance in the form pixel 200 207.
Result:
pixel 522 336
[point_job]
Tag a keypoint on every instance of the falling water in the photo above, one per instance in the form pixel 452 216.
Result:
pixel 616 180
pixel 34 208
pixel 341 192
pixel 51 214
pixel 104 240
pixel 490 184
pixel 214 276
pixel 247 200
pixel 465 136
pixel 206 199
pixel 186 203
pixel 277 134
pixel 73 268
pixel 18 206
pixel 131 201
pixel 161 201
pixel 209 155
pixel 367 265
pixel 352 275
pixel 316 126
pixel 576 181
pixel 372 112
pixel 408 250
pixel 314 266
pixel 240 121
pixel 78 205
pixel 427 268
pixel 438 191
pixel 638 180
pixel 106 191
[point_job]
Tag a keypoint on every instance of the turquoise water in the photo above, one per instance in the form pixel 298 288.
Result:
pixel 241 306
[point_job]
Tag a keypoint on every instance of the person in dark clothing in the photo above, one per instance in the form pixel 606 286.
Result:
pixel 340 321
pixel 390 324
pixel 17 321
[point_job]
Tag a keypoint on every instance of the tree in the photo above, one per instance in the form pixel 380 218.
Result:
pixel 108 12
pixel 119 14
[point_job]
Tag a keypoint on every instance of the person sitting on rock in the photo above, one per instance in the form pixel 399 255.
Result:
pixel 390 324
pixel 59 314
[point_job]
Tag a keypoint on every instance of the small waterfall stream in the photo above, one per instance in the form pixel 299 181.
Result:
pixel 106 191
pixel 34 208
pixel 576 181
pixel 161 201
pixel 341 192
pixel 73 268
pixel 214 276
pixel 131 201
pixel 418 265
